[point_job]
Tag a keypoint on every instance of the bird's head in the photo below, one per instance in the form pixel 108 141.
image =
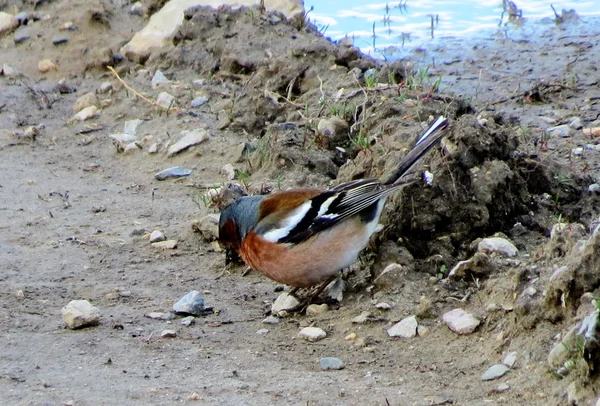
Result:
pixel 236 221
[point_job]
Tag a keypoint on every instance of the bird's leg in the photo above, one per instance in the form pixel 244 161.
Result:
pixel 313 296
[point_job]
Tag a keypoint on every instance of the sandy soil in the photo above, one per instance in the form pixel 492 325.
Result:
pixel 75 213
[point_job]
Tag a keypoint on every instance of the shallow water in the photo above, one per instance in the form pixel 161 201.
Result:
pixel 391 30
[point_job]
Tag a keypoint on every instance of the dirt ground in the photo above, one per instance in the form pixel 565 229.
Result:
pixel 75 214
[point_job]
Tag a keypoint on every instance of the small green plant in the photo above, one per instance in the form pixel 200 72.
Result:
pixel 361 141
pixel 442 272
pixel 371 80
pixel 200 199
pixel 244 177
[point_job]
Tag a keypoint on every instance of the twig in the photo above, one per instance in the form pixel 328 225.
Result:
pixel 135 92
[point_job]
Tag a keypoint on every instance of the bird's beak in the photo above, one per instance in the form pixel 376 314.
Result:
pixel 231 256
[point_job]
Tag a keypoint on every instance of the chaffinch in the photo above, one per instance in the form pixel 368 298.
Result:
pixel 303 237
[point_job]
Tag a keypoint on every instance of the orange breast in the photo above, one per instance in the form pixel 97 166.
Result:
pixel 309 262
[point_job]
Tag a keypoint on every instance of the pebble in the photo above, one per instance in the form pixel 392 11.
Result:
pixel 332 126
pixel 207 226
pixel 46 65
pixel 192 303
pixel 577 151
pixel 130 126
pixel 168 334
pixel 335 290
pixel 494 372
pixel 87 100
pixel 105 87
pixel 153 149
pixel 59 39
pixel 229 171
pixel 165 100
pixel 157 235
pixel 283 303
pixel 315 309
pixel 160 316
pixel 199 101
pixel 312 334
pixel 383 306
pixel 498 245
pixel 86 114
pixel 350 337
pixel 132 146
pixel 188 321
pixel 68 26
pixel 166 245
pixel 594 188
pixel 262 331
pixel 331 364
pixel 575 123
pixel 271 320
pixel 510 359
pixel 502 387
pixel 562 131
pixel 592 131
pixel 188 139
pixel 174 172
pixel 407 328
pixel 460 321
pixel 390 276
pixel 80 313
pixel 9 71
pixel 159 79
pixel 363 318
pixel 7 22
pixel 21 34
pixel 137 9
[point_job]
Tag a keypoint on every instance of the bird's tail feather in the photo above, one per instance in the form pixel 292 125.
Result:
pixel 428 140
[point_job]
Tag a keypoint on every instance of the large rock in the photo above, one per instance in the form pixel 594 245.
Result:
pixel 165 23
pixel 80 313
pixel 7 22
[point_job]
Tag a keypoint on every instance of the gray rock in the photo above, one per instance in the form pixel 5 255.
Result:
pixel 494 372
pixel 157 235
pixel 334 128
pixel 510 359
pixel 229 171
pixel 284 303
pixel 271 320
pixel 105 87
pixel 87 100
pixel 315 309
pixel 7 22
pixel 130 126
pixel 192 303
pixel 312 334
pixel 21 34
pixel 80 313
pixel 331 364
pixel 9 71
pixel 498 245
pixel 562 131
pixel 199 101
pixel 594 188
pixel 159 79
pixel 188 321
pixel 575 123
pixel 336 289
pixel 174 172
pixel 188 139
pixel 383 306
pixel 392 275
pixel 501 387
pixel 166 245
pixel 577 151
pixel 407 328
pixel 460 321
pixel 363 318
pixel 262 331
pixel 137 9
pixel 168 334
pixel 59 39
pixel 160 316
pixel 165 100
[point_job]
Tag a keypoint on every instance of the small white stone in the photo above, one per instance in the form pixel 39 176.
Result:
pixel 86 113
pixel 407 328
pixel 362 318
pixel 229 171
pixel 188 139
pixel 577 151
pixel 383 306
pixel 510 359
pixel 168 334
pixel 262 331
pixel 499 245
pixel 165 100
pixel 165 245
pixel 315 309
pixel 80 313
pixel 157 235
pixel 284 303
pixel 495 371
pixel 130 126
pixel 271 320
pixel 312 333
pixel 153 148
pixel 460 321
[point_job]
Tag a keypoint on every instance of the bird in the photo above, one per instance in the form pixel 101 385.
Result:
pixel 304 237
